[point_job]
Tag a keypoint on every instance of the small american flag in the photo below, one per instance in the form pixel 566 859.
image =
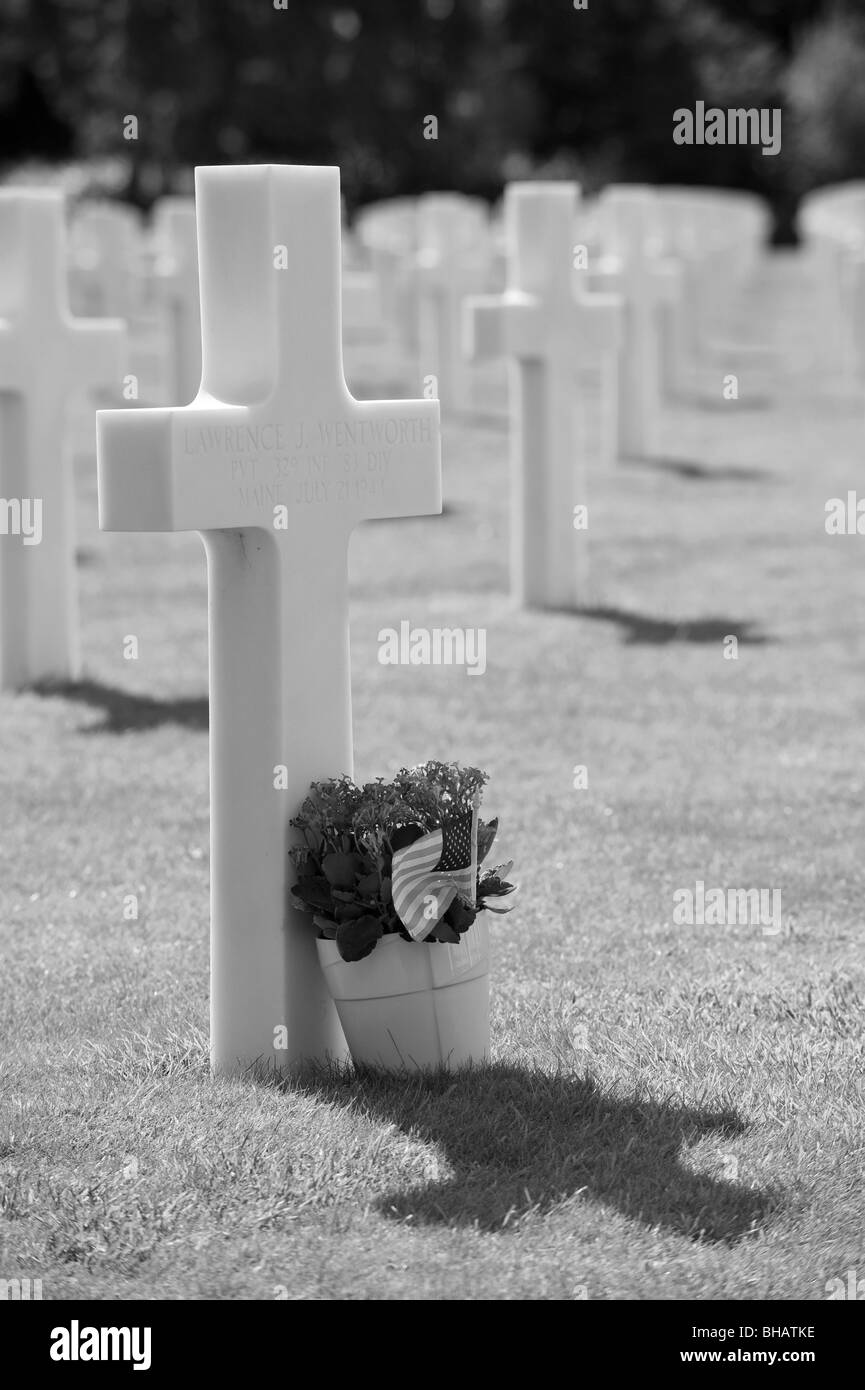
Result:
pixel 428 875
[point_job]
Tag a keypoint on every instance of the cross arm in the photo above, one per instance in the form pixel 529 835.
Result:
pixel 215 467
pixel 502 325
pixel 361 299
pixel 98 353
pixel 191 469
pixel 598 322
pixel 11 367
pixel 394 466
pixel 605 275
pixel 649 281
pixel 134 470
pixel 430 268
pixel 435 270
pixel 667 280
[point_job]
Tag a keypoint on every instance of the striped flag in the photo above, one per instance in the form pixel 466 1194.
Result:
pixel 427 875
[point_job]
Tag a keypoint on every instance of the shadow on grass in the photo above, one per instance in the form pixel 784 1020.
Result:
pixel 523 1141
pixel 448 509
pixel 638 628
pixel 700 397
pixel 702 472
pixel 486 419
pixel 125 711
pixel 760 399
pixel 364 390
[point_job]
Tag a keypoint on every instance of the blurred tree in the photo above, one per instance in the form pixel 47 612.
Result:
pixel 611 77
pixel 741 65
pixel 26 108
pixel 825 100
pixel 607 80
pixel 222 80
pixel 514 86
pixel 778 21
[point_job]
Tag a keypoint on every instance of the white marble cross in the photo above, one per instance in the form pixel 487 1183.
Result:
pixel 387 231
pixel 47 357
pixel 546 328
pixel 107 245
pixel 361 303
pixel 176 277
pixel 274 463
pixel 832 220
pixel 454 259
pixel 647 282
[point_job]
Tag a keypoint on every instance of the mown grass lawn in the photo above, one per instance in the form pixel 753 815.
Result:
pixel 672 1111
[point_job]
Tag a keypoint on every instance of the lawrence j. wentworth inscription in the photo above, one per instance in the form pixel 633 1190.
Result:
pixel 270 438
pixel 308 462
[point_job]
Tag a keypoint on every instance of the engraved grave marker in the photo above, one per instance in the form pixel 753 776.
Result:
pixel 46 358
pixel 545 327
pixel 274 463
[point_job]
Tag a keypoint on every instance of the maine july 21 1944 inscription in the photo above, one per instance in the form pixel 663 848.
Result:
pixel 306 462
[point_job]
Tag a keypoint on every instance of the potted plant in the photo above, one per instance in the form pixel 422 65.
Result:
pixel 391 875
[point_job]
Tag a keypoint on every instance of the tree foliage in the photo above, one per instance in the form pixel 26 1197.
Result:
pixel 515 86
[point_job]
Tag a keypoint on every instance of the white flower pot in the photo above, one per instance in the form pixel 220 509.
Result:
pixel 410 1005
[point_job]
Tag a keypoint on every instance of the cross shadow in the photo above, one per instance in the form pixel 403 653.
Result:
pixel 639 628
pixel 698 397
pixel 693 471
pixel 448 509
pixel 486 419
pixel 757 400
pixel 519 1140
pixel 124 711
pixel 389 389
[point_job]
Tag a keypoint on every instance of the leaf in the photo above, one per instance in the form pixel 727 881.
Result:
pixel 495 888
pixel 502 902
pixel 368 885
pixel 349 912
pixel 486 834
pixel 340 869
pixel 459 915
pixel 386 891
pixel 495 880
pixel 357 938
pixel 312 892
pixel 325 926
pixel 313 838
pixel 445 932
pixel 405 835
